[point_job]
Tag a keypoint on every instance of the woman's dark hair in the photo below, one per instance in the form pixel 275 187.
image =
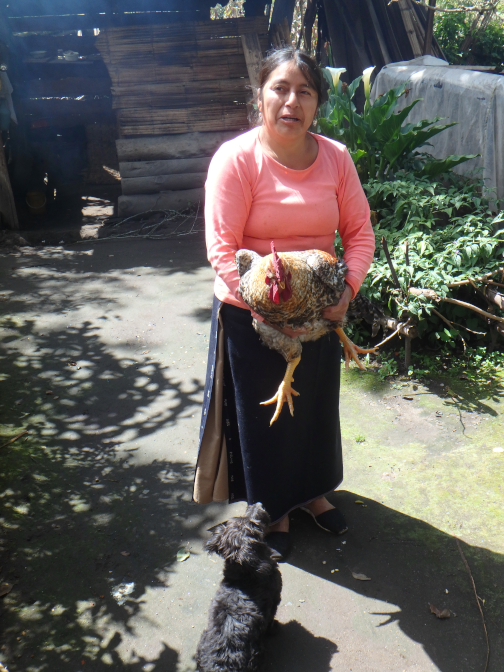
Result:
pixel 303 61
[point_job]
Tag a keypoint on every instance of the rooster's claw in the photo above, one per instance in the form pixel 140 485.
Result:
pixel 285 391
pixel 284 394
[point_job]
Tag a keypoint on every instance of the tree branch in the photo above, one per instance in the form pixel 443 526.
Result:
pixel 480 279
pixel 431 294
pixel 450 325
pixel 475 308
pixel 389 261
pixel 484 7
pixel 404 328
pixel 477 602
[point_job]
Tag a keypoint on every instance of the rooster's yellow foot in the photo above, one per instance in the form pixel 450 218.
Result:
pixel 285 392
pixel 350 350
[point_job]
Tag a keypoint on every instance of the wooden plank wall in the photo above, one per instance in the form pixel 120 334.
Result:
pixel 179 91
pixel 165 172
pixel 180 78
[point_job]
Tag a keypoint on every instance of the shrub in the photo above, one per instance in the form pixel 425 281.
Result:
pixel 487 47
pixel 438 232
pixel 378 140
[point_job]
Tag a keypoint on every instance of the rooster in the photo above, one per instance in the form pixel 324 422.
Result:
pixel 291 289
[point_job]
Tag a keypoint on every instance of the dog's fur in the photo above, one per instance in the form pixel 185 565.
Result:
pixel 247 599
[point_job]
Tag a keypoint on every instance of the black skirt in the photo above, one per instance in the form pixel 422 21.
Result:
pixel 298 458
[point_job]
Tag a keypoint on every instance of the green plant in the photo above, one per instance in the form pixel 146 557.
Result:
pixel 438 234
pixel 233 9
pixel 388 367
pixel 378 140
pixel 464 41
pixel 475 364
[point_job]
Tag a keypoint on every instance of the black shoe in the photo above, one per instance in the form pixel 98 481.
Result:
pixel 330 521
pixel 280 544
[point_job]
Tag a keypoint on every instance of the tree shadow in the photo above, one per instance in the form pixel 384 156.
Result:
pixel 114 263
pixel 84 534
pixel 471 397
pixel 411 564
pixel 85 530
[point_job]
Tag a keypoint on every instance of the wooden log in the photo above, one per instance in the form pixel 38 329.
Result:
pixel 158 183
pixel 230 68
pixel 409 18
pixel 8 214
pixel 167 167
pixel 146 122
pixel 189 31
pixel 430 28
pixel 168 200
pixel 83 21
pixel 84 44
pixel 253 57
pixel 283 9
pixel 181 99
pixel 68 86
pixel 182 146
pixel 229 87
pixel 47 108
pixel 495 297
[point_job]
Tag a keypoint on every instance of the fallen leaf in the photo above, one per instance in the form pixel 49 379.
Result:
pixel 360 577
pixel 438 613
pixel 125 553
pixel 408 398
pixel 5 588
pixel 182 554
pixel 359 501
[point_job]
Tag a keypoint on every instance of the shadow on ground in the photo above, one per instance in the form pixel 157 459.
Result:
pixel 411 565
pixel 86 530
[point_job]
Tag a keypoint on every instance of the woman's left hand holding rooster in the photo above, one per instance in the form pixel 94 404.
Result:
pixel 337 312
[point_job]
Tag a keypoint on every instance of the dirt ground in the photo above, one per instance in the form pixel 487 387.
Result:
pixel 103 360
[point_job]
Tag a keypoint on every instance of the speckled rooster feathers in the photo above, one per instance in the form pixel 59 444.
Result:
pixel 290 288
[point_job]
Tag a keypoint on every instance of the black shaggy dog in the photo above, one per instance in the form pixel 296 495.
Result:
pixel 247 599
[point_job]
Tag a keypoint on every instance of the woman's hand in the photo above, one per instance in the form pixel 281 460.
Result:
pixel 337 313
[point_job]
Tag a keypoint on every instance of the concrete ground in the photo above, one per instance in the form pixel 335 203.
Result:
pixel 103 361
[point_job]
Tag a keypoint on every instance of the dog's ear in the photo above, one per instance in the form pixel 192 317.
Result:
pixel 213 545
pixel 258 515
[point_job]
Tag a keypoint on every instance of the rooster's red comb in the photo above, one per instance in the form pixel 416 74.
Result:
pixel 277 263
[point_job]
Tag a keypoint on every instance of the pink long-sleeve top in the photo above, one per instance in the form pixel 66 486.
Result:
pixel 251 199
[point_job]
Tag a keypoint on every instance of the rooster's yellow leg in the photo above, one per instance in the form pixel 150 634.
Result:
pixel 351 350
pixel 285 391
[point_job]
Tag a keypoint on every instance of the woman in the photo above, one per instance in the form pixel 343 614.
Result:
pixel 278 182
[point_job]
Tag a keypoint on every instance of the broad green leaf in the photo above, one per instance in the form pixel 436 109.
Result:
pixel 436 167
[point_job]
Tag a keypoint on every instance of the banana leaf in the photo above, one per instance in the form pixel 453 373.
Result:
pixel 436 167
pixel 411 137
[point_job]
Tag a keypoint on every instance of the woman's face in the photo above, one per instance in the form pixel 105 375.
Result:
pixel 288 103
